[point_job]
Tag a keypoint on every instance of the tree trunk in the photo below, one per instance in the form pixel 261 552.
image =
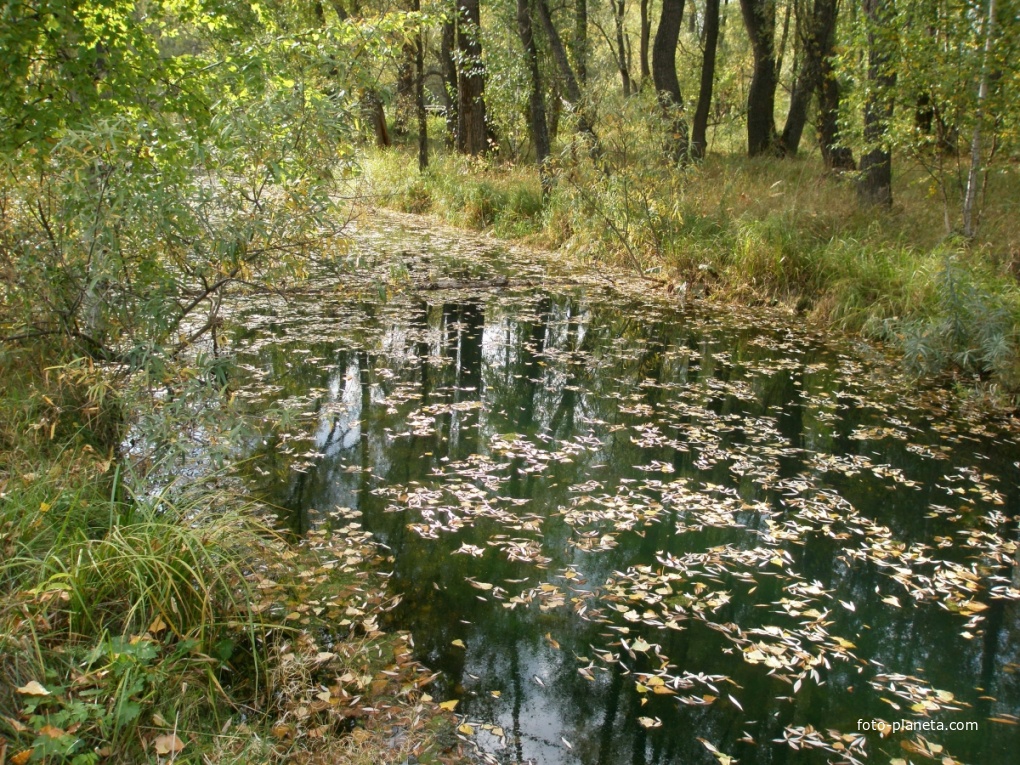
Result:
pixel 449 71
pixel 835 157
pixel 783 39
pixel 419 94
pixel 667 86
pixel 874 186
pixel 760 20
pixel 574 95
pixel 970 195
pixel 619 6
pixel 646 35
pixel 536 96
pixel 581 41
pixel 472 132
pixel 405 89
pixel 710 33
pixel 816 44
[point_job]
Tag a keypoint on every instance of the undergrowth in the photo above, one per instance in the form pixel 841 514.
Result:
pixel 145 624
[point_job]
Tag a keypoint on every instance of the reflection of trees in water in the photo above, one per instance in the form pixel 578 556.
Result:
pixel 555 367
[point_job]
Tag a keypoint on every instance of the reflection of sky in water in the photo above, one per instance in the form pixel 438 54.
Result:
pixel 747 427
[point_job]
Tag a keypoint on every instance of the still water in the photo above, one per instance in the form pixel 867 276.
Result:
pixel 630 530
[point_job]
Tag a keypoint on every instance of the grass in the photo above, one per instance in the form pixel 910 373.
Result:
pixel 175 625
pixel 773 231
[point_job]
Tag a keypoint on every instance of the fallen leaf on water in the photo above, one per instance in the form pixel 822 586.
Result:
pixel 458 642
pixel 450 705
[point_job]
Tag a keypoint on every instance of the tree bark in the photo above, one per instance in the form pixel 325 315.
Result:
pixel 835 157
pixel 710 34
pixel 646 36
pixel 619 7
pixel 760 20
pixel 536 96
pixel 818 37
pixel 581 41
pixel 970 195
pixel 667 86
pixel 405 89
pixel 450 88
pixel 874 186
pixel 472 132
pixel 419 94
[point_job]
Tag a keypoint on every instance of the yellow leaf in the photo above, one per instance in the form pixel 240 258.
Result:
pixel 466 729
pixel 157 626
pixel 168 743
pixel 33 688
pixel 450 705
pixel 458 642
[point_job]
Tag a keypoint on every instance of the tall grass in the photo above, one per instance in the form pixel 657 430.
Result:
pixel 120 613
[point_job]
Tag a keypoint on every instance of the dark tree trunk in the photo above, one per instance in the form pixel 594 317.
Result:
pixel 710 33
pixel 555 110
pixel 581 41
pixel 835 157
pixel 646 36
pixel 419 94
pixel 619 6
pixel 373 109
pixel 536 96
pixel 405 89
pixel 818 36
pixel 449 71
pixel 574 95
pixel 472 132
pixel 874 186
pixel 667 86
pixel 760 20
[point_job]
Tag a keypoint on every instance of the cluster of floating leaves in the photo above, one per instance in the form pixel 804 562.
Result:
pixel 715 465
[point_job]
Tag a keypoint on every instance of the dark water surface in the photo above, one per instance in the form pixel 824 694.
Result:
pixel 628 531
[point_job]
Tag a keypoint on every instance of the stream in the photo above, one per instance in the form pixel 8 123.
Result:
pixel 628 529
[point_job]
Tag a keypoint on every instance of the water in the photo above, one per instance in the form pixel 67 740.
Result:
pixel 629 531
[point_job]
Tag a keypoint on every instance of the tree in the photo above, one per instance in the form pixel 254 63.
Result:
pixel 419 92
pixel 149 162
pixel 760 20
pixel 574 94
pixel 814 48
pixel 667 86
pixel 710 35
pixel 622 54
pixel 472 128
pixel 874 185
pixel 835 155
pixel 536 97
pixel 646 35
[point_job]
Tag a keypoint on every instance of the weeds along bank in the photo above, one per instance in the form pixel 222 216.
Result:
pixel 757 230
pixel 177 624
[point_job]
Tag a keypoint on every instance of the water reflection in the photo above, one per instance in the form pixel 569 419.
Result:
pixel 555 446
